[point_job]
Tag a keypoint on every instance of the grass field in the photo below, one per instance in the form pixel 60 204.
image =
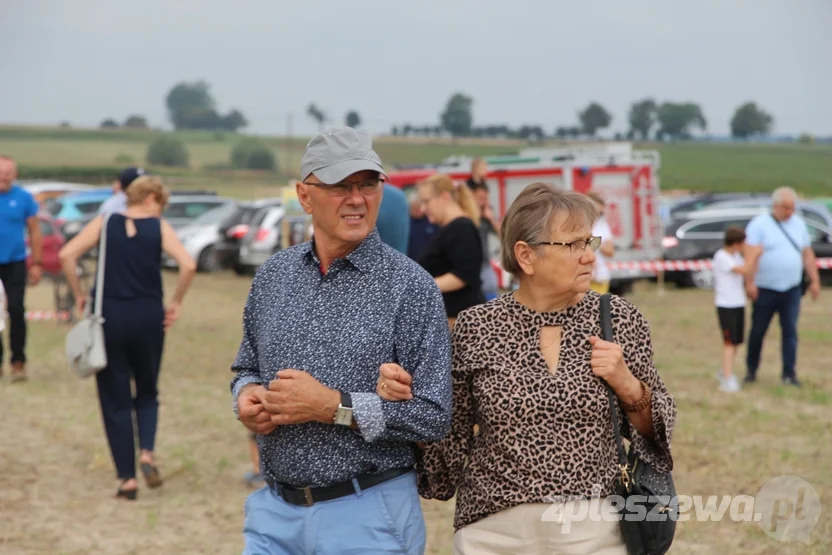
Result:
pixel 56 477
pixel 693 166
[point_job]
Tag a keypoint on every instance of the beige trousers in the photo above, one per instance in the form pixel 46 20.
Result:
pixel 535 529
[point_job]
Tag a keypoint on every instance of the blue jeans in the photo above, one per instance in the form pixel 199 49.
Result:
pixel 787 305
pixel 386 518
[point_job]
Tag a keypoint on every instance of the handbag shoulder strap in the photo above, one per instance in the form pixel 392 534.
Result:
pixel 789 237
pixel 99 273
pixel 606 335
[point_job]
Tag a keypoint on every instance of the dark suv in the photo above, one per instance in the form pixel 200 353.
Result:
pixel 699 236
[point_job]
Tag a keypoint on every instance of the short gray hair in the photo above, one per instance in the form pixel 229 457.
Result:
pixel 780 194
pixel 532 214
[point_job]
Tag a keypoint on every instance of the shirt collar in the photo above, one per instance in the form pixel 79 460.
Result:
pixel 363 258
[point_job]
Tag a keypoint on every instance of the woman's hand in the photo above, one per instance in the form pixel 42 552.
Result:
pixel 172 314
pixel 608 364
pixel 393 383
pixel 80 305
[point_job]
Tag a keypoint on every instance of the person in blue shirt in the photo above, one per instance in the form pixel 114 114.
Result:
pixel 779 252
pixel 421 229
pixel 18 213
pixel 394 218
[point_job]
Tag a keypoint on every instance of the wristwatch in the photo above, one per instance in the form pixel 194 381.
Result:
pixel 343 414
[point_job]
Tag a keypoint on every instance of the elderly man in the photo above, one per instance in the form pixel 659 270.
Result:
pixel 18 213
pixel 779 251
pixel 321 321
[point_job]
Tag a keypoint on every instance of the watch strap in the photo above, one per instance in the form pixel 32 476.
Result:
pixel 346 400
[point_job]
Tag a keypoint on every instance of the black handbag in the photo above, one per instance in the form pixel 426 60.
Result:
pixel 651 507
pixel 804 278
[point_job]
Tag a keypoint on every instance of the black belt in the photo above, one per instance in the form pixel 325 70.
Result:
pixel 308 496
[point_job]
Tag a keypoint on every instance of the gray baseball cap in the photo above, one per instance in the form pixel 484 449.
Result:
pixel 338 153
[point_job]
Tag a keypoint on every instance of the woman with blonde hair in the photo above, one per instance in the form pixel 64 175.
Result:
pixel 530 372
pixel 135 320
pixel 454 256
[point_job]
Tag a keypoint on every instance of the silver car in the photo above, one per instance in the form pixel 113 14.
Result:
pixel 182 209
pixel 201 236
pixel 263 238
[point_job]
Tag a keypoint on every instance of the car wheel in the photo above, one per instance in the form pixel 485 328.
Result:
pixel 207 260
pixel 703 279
pixel 242 270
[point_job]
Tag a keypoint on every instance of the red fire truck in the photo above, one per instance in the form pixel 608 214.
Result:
pixel 626 178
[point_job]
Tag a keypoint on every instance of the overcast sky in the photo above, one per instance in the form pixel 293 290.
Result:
pixel 399 61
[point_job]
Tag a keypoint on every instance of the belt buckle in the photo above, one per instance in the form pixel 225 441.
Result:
pixel 307 496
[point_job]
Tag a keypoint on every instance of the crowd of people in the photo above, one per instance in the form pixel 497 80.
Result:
pixel 379 362
pixel 407 382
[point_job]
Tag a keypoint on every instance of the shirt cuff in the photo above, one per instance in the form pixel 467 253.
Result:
pixel 235 391
pixel 366 409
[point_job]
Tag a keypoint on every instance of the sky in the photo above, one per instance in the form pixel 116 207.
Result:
pixel 523 62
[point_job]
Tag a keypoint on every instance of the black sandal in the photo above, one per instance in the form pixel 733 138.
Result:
pixel 151 475
pixel 129 494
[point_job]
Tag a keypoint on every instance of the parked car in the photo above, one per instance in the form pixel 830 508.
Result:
pixel 45 190
pixel 74 206
pixel 696 202
pixel 234 228
pixel 826 201
pixel 809 210
pixel 183 209
pixel 53 241
pixel 201 235
pixel 72 211
pixel 262 239
pixel 699 236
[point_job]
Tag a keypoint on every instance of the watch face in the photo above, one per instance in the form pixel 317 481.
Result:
pixel 343 416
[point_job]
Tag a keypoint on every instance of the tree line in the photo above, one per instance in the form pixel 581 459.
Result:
pixel 647 119
pixel 191 106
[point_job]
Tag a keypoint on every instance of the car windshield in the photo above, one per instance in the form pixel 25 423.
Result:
pixel 53 206
pixel 215 215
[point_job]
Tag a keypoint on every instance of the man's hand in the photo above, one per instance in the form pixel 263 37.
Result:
pixel 251 410
pixel 752 291
pixel 35 272
pixel 296 397
pixel 814 290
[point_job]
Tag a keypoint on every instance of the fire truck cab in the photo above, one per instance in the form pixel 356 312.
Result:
pixel 627 179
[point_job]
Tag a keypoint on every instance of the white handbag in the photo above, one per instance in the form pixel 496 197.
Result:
pixel 85 341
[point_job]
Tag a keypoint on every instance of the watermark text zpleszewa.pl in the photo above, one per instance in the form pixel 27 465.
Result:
pixel 787 508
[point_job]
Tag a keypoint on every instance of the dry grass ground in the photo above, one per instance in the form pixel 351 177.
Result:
pixel 56 477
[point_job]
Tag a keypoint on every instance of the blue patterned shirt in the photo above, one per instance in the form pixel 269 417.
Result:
pixel 372 307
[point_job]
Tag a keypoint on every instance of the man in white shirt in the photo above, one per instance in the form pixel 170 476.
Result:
pixel 600 272
pixel 118 202
pixel 729 297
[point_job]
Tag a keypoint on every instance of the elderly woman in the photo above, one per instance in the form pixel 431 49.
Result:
pixel 527 372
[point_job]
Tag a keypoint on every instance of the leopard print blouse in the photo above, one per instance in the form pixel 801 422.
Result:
pixel 542 437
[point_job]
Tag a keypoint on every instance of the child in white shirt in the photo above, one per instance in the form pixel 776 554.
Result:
pixel 729 291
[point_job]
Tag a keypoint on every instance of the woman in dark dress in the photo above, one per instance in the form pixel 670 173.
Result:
pixel 135 320
pixel 454 256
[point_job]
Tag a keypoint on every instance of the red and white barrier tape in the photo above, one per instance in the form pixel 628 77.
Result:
pixel 682 265
pixel 45 315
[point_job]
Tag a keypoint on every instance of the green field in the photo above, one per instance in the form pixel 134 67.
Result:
pixel 57 475
pixel 691 166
